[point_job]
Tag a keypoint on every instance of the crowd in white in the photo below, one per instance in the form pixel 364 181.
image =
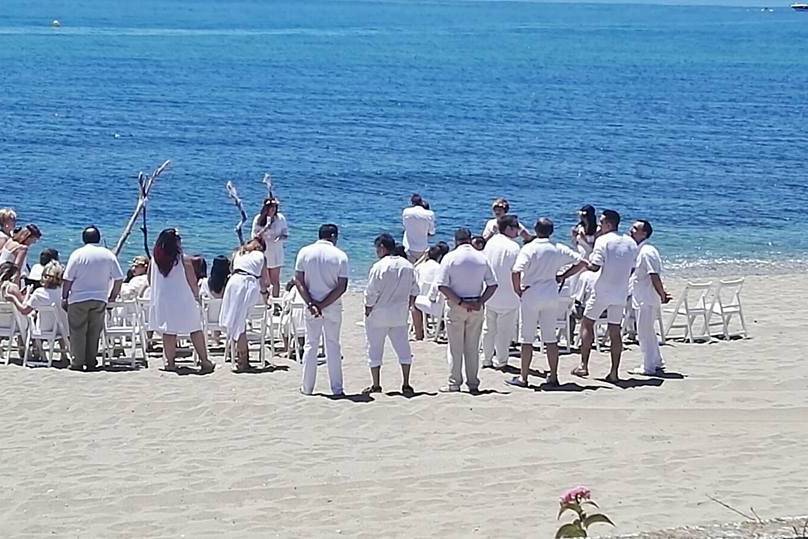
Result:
pixel 488 291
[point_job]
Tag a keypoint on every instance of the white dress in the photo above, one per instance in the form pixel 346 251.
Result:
pixel 174 310
pixel 274 236
pixel 241 293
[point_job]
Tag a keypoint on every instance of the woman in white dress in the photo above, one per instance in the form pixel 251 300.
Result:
pixel 427 301
pixel 583 234
pixel 271 226
pixel 175 299
pixel 16 249
pixel 244 289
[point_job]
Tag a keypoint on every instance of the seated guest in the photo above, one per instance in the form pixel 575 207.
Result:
pixel 478 242
pixel 8 221
pixel 499 208
pixel 427 301
pixel 35 275
pixel 292 318
pixel 213 286
pixel 16 249
pixel 9 288
pixel 137 279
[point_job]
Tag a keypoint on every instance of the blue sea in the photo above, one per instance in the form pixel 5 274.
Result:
pixel 693 117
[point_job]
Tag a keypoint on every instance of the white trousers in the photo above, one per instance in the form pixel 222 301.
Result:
pixel 498 333
pixel 399 339
pixel 647 315
pixel 327 325
pixel 463 329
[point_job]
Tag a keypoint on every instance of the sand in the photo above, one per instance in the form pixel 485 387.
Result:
pixel 149 453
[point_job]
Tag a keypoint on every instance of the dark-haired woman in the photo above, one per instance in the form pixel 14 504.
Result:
pixel 16 249
pixel 213 286
pixel 583 234
pixel 271 226
pixel 175 299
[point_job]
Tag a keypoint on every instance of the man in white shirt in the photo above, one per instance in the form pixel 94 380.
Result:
pixel 389 295
pixel 499 208
pixel 467 281
pixel 321 276
pixel 647 296
pixel 419 224
pixel 535 277
pixel 613 257
pixel 92 279
pixel 502 310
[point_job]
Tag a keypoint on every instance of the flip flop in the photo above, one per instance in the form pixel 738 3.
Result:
pixel 579 371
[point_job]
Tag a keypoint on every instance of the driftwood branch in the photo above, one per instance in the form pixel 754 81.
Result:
pixel 143 197
pixel 233 194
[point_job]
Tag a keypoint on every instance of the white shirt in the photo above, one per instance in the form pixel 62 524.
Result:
pixel 92 269
pixel 275 234
pixel 616 256
pixel 419 224
pixel 648 263
pixel 323 264
pixel 501 252
pixel 134 288
pixel 426 273
pixel 391 282
pixel 47 297
pixel 539 262
pixel 466 271
pixel 492 228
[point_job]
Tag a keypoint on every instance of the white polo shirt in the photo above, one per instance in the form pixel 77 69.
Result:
pixel 492 228
pixel 323 265
pixel 648 263
pixel 616 256
pixel 539 262
pixel 93 270
pixel 466 271
pixel 501 252
pixel 419 224
pixel 391 282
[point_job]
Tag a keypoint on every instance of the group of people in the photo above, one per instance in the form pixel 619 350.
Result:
pixel 489 289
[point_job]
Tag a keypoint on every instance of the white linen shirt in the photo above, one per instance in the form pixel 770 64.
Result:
pixel 492 228
pixel 273 235
pixel 419 224
pixel 648 263
pixel 323 264
pixel 426 273
pixel 616 256
pixel 466 271
pixel 501 253
pixel 391 282
pixel 539 262
pixel 93 270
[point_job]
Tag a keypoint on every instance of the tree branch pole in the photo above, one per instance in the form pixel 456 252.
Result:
pixel 233 194
pixel 141 204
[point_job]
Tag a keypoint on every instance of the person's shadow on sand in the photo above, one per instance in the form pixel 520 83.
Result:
pixel 411 395
pixel 631 383
pixel 355 397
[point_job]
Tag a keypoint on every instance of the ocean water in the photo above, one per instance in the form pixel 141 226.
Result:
pixel 693 117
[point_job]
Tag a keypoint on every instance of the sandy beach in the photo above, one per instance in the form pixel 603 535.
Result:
pixel 149 453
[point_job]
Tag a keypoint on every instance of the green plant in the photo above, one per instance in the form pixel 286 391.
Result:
pixel 577 500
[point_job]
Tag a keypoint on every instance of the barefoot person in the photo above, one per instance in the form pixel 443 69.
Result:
pixel 613 257
pixel 648 295
pixel 244 289
pixel 390 292
pixel 271 225
pixel 499 208
pixel 92 278
pixel 467 281
pixel 175 299
pixel 321 274
pixel 502 310
pixel 419 224
pixel 536 279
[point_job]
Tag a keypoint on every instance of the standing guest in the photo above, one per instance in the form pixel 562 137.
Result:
pixel 271 225
pixel 213 287
pixel 499 208
pixel 175 300
pixel 584 233
pixel 45 257
pixel 390 293
pixel 478 242
pixel 16 249
pixel 648 295
pixel 535 277
pixel 467 281
pixel 92 279
pixel 419 224
pixel 8 222
pixel 613 258
pixel 321 274
pixel 502 310
pixel 137 279
pixel 243 291
pixel 426 303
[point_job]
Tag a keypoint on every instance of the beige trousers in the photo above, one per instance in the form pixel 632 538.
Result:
pixel 86 321
pixel 463 329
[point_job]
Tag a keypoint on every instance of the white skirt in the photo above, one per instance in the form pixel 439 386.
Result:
pixel 240 295
pixel 274 255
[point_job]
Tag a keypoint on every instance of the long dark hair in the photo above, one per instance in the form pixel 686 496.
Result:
pixel 219 274
pixel 8 270
pixel 200 266
pixel 588 220
pixel 270 201
pixel 167 251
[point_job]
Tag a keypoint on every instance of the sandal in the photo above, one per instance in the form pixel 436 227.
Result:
pixel 372 389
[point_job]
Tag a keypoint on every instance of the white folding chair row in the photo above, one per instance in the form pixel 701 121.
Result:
pixel 700 302
pixel 9 331
pixel 123 332
pixel 46 325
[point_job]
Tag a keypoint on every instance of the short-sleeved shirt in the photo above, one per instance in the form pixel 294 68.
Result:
pixel 466 271
pixel 93 270
pixel 501 253
pixel 273 235
pixel 492 228
pixel 323 264
pixel 648 263
pixel 419 224
pixel 616 256
pixel 391 282
pixel 46 297
pixel 539 262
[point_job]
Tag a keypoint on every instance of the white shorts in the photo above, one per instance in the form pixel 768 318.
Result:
pixel 594 309
pixel 399 339
pixel 544 315
pixel 274 256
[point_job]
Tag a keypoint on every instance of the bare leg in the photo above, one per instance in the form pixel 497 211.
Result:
pixel 418 323
pixel 170 350
pixel 243 351
pixel 527 358
pixel 375 372
pixel 552 361
pixel 275 281
pixel 198 340
pixel 616 350
pixel 405 375
pixel 587 338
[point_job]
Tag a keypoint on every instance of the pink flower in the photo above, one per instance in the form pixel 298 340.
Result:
pixel 575 495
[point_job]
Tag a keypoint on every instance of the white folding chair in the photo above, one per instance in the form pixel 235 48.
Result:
pixel 122 331
pixel 212 308
pixel 274 330
pixel 690 307
pixel 296 331
pixel 143 308
pixel 9 330
pixel 727 305
pixel 47 325
pixel 256 332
